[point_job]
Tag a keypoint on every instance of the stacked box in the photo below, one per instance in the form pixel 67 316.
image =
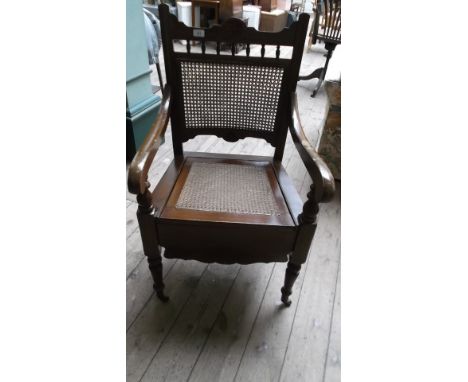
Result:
pixel 273 21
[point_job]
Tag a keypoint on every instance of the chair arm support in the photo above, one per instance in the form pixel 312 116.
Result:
pixel 138 171
pixel 324 183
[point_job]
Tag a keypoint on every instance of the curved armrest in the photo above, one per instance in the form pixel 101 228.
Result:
pixel 138 171
pixel 324 184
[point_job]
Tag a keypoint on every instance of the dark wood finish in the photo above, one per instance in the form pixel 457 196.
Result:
pixel 228 237
pixel 205 4
pixel 222 237
pixel 319 172
pixel 138 170
pixel 292 272
pixel 233 31
pixel 327 22
pixel 292 198
pixel 166 184
pixel 150 242
pixel 230 8
pixel 267 5
pixel 171 212
pixel 321 190
pixel 326 27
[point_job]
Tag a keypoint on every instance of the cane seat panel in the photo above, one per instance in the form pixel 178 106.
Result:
pixel 227 190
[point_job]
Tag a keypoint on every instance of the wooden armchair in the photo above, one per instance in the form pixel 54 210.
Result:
pixel 228 208
pixel 326 27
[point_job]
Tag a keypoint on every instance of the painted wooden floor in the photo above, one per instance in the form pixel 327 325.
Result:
pixel 226 322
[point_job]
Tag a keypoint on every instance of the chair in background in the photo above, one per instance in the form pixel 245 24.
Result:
pixel 325 28
pixel 228 208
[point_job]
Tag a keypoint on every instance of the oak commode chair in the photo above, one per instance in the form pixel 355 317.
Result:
pixel 228 208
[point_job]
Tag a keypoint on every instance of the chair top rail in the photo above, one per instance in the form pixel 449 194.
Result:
pixel 234 31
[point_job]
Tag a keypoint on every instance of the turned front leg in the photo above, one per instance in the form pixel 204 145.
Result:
pixel 292 272
pixel 307 225
pixel 150 242
pixel 156 269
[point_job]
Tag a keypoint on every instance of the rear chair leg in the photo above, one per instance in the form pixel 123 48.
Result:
pixel 292 271
pixel 315 74
pixel 330 48
pixel 319 84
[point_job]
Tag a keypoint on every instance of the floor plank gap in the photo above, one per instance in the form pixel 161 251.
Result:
pixel 331 324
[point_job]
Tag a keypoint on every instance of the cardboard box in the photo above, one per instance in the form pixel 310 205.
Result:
pixel 273 21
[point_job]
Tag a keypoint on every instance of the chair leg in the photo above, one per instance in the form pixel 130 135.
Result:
pixel 330 47
pixel 319 83
pixel 158 68
pixel 308 224
pixel 150 241
pixel 320 72
pixel 315 74
pixel 292 272
pixel 156 268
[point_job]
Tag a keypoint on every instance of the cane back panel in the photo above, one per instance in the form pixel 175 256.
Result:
pixel 233 95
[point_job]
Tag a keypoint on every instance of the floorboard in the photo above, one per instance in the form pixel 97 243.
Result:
pixel 140 287
pixel 179 352
pixel 132 222
pixel 134 251
pixel 152 325
pixel 333 366
pixel 222 353
pixel 264 353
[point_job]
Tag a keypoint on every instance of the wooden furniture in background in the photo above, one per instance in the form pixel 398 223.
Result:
pixel 330 141
pixel 205 4
pixel 230 8
pixel 267 5
pixel 223 208
pixel 326 28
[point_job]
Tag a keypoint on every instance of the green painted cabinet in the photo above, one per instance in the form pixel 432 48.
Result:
pixel 142 105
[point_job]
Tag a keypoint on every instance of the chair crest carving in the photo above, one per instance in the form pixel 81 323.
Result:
pixel 235 30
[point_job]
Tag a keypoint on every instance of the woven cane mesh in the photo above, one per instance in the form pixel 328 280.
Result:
pixel 232 96
pixel 217 187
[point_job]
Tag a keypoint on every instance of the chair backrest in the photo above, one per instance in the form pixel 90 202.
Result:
pixel 330 29
pixel 233 95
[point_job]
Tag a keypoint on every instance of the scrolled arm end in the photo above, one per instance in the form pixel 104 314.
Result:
pixel 136 180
